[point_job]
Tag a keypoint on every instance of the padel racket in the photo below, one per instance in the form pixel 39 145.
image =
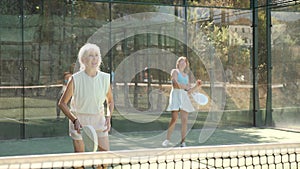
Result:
pixel 90 139
pixel 200 98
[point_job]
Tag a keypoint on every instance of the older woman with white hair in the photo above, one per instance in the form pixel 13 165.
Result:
pixel 88 89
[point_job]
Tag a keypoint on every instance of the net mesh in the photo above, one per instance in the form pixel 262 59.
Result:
pixel 279 155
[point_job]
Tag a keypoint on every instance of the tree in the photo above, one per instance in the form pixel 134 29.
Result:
pixel 221 3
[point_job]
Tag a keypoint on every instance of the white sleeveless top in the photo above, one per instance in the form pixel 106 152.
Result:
pixel 89 92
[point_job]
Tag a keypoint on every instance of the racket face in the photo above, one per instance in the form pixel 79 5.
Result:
pixel 201 99
pixel 90 139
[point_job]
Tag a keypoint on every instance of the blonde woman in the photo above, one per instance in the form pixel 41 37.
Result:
pixel 88 89
pixel 179 100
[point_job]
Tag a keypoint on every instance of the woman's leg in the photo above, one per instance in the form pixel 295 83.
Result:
pixel 172 124
pixel 78 146
pixel 184 122
pixel 103 143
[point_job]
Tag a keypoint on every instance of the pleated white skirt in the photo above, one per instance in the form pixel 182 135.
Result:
pixel 179 100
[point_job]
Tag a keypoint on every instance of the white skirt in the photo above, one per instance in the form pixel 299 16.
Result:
pixel 179 100
pixel 97 121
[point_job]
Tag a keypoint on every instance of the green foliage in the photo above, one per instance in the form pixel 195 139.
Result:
pixel 88 10
pixel 218 35
pixel 121 10
pixel 288 38
pixel 221 3
pixel 14 7
pixel 262 47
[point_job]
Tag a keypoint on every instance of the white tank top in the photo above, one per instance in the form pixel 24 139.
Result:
pixel 89 92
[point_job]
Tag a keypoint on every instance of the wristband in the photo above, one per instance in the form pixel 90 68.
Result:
pixel 74 120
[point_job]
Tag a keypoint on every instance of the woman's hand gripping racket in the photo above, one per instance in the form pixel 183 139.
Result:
pixel 90 139
pixel 199 98
pixel 89 136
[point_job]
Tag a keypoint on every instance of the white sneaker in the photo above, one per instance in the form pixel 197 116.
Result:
pixel 165 143
pixel 183 144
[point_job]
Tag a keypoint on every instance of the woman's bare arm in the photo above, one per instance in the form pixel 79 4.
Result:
pixel 64 100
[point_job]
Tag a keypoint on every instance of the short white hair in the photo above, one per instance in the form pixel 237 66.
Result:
pixel 84 51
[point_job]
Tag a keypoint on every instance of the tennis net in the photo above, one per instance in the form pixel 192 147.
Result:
pixel 272 155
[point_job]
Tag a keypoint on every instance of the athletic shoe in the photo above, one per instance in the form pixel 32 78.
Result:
pixel 183 144
pixel 166 143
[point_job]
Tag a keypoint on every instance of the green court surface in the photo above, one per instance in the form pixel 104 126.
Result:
pixel 134 141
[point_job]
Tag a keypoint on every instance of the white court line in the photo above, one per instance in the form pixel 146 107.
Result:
pixel 30 87
pixel 32 118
